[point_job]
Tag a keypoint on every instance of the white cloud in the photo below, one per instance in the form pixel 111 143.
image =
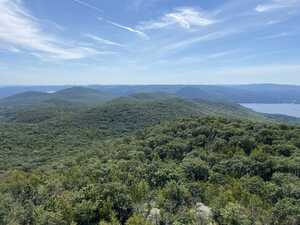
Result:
pixel 18 28
pixel 183 17
pixel 103 41
pixel 277 5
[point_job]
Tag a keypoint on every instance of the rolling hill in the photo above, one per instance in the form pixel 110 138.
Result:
pixel 77 125
pixel 39 106
pixel 99 107
pixel 82 95
pixel 24 99
pixel 79 95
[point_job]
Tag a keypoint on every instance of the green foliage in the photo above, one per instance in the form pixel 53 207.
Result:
pixel 234 214
pixel 287 212
pixel 196 169
pixel 137 220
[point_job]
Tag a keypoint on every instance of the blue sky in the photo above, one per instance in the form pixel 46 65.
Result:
pixel 149 41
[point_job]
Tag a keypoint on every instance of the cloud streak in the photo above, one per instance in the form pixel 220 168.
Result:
pixel 262 70
pixel 103 41
pixel 204 38
pixel 275 36
pixel 130 29
pixel 200 58
pixel 88 5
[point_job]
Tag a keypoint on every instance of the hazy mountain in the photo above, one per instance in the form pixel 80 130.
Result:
pixel 39 106
pixel 80 95
pixel 83 95
pixel 7 91
pixel 26 98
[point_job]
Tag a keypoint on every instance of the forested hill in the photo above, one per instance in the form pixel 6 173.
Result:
pixel 35 106
pixel 185 171
pixel 94 105
pixel 45 132
pixel 56 126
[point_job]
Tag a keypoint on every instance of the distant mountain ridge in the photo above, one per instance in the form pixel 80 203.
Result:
pixel 253 93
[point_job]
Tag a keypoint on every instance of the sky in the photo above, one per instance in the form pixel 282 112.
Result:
pixel 149 42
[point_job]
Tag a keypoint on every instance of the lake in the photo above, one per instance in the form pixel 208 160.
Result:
pixel 284 109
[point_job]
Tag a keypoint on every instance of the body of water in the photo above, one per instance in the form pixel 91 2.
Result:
pixel 283 109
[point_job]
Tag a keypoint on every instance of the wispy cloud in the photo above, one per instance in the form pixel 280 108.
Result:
pixel 18 28
pixel 103 41
pixel 274 36
pixel 130 29
pixel 50 23
pixel 277 5
pixel 88 6
pixel 261 70
pixel 183 17
pixel 7 48
pixel 204 38
pixel 14 50
pixel 221 54
pixel 199 58
pixel 273 22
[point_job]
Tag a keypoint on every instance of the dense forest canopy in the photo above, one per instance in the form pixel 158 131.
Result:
pixel 145 159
